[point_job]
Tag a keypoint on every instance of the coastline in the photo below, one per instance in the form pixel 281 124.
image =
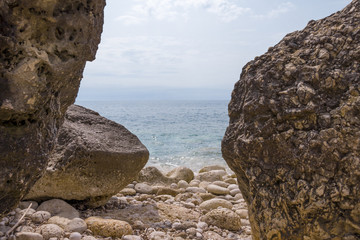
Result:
pixel 210 206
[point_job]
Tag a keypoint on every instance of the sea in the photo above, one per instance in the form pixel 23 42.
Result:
pixel 176 133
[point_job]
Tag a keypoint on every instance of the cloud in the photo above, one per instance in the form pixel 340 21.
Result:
pixel 225 10
pixel 130 20
pixel 276 12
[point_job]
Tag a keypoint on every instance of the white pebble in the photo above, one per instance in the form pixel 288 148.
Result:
pixel 75 236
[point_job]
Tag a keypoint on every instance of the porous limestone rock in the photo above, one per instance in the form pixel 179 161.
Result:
pixel 108 227
pixel 294 133
pixel 93 160
pixel 44 46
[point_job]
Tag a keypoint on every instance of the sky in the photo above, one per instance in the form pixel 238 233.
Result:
pixel 188 49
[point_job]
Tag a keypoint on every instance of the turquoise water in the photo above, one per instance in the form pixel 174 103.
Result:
pixel 177 133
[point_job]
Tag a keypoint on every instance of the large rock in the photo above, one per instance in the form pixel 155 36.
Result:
pixel 93 160
pixel 44 46
pixel 294 133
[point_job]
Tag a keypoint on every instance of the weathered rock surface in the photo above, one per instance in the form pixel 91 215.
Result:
pixel 294 133
pixel 44 46
pixel 93 160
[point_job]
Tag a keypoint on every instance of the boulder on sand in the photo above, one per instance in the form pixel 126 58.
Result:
pixel 44 46
pixel 294 133
pixel 93 160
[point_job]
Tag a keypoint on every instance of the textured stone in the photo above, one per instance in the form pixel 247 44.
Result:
pixel 294 133
pixel 59 208
pixel 93 160
pixel 44 47
pixel 50 230
pixel 223 218
pixel 40 216
pixel 108 227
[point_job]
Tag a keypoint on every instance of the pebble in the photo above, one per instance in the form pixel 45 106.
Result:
pixel 29 236
pixel 183 184
pixel 89 238
pixel 211 176
pixel 221 184
pixel 108 227
pixel 202 225
pixel 29 212
pixel 194 183
pixel 40 216
pixel 128 192
pixel 75 236
pixel 157 235
pixel 59 208
pixel 223 218
pixel 215 189
pixel 234 192
pixel 189 205
pixel 181 173
pixel 183 225
pixel 212 235
pixel 131 237
pixel 25 229
pixel 195 190
pixel 138 225
pixel 60 221
pixel 194 211
pixel 50 230
pixel 143 188
pixel 173 186
pixel 211 168
pixel 167 191
pixel 191 231
pixel 243 213
pixel 204 184
pixel 26 204
pixel 214 204
pixel 230 180
pixel 76 225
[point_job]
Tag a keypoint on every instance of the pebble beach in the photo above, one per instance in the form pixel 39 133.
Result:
pixel 177 205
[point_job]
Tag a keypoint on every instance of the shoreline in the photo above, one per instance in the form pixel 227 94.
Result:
pixel 208 207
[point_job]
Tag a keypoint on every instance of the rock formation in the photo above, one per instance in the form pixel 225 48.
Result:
pixel 93 160
pixel 294 133
pixel 44 46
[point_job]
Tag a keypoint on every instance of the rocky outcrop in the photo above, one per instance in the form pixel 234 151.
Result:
pixel 93 160
pixel 294 133
pixel 43 49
